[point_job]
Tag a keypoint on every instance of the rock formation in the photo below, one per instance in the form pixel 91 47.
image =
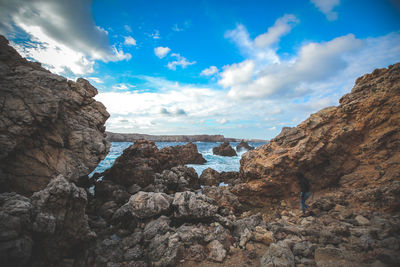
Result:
pixel 140 161
pixel 48 125
pixel 243 146
pixel 353 145
pixel 224 150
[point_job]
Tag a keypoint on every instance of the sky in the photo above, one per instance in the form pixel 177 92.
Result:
pixel 243 69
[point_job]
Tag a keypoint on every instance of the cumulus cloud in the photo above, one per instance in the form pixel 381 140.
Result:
pixel 129 40
pixel 209 71
pixel 222 121
pixel 180 61
pixel 161 51
pixel 63 28
pixel 326 7
pixel 236 74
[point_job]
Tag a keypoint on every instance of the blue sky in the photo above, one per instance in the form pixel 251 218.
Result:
pixel 240 68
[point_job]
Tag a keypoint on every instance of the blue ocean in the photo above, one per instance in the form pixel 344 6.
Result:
pixel 218 163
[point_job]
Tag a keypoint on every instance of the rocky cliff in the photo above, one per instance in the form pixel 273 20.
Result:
pixel 355 145
pixel 48 125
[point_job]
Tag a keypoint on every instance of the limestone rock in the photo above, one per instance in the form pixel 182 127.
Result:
pixel 224 150
pixel 243 146
pixel 139 162
pixel 178 179
pixel 144 205
pixel 354 145
pixel 15 229
pixel 278 255
pixel 188 205
pixel 217 252
pixel 209 177
pixel 49 125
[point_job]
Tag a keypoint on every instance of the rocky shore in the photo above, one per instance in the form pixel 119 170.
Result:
pixel 151 210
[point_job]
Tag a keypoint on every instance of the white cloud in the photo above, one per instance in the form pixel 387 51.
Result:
pixel 237 74
pixel 222 121
pixel 161 51
pixel 209 71
pixel 127 28
pixel 326 7
pixel 96 79
pixel 123 86
pixel 281 27
pixel 155 35
pixel 59 28
pixel 180 61
pixel 129 40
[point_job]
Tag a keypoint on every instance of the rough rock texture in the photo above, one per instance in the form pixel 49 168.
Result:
pixel 48 125
pixel 140 161
pixel 243 146
pixel 209 177
pixel 178 179
pixel 224 150
pixel 353 145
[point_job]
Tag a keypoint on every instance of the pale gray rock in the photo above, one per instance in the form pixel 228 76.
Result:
pixel 188 205
pixel 278 255
pixel 217 252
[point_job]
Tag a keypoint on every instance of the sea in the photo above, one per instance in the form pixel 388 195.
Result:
pixel 218 163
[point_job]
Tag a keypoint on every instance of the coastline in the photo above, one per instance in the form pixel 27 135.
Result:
pixel 125 137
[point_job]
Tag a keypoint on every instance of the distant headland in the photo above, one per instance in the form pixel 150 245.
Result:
pixel 125 137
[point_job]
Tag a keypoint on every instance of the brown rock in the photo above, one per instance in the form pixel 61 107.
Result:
pixel 243 146
pixel 355 145
pixel 209 177
pixel 49 125
pixel 224 150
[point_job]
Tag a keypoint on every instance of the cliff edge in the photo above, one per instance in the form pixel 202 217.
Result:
pixel 48 126
pixel 355 145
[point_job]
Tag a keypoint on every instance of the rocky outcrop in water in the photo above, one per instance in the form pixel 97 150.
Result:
pixel 224 150
pixel 140 161
pixel 243 146
pixel 355 145
pixel 48 125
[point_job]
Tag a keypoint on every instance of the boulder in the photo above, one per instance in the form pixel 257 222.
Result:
pixel 178 179
pixel 61 222
pixel 144 205
pixel 15 229
pixel 337 146
pixel 139 162
pixel 209 177
pixel 224 150
pixel 243 146
pixel 188 205
pixel 216 251
pixel 223 197
pixel 278 255
pixel 49 125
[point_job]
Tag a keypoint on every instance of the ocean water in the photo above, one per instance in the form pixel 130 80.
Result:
pixel 218 163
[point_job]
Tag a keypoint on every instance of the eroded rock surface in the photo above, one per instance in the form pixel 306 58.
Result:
pixel 224 150
pixel 353 145
pixel 243 146
pixel 48 125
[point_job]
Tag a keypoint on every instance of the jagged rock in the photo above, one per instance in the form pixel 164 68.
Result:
pixel 49 125
pixel 224 150
pixel 329 257
pixel 15 229
pixel 61 222
pixel 156 227
pixel 228 177
pixel 243 146
pixel 139 162
pixel 262 235
pixel 178 179
pixel 209 177
pixel 144 205
pixel 163 249
pixel 188 205
pixel 354 145
pixel 223 197
pixel 217 252
pixel 278 255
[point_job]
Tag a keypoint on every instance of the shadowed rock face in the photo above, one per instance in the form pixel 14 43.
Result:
pixel 139 162
pixel 224 150
pixel 356 144
pixel 48 125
